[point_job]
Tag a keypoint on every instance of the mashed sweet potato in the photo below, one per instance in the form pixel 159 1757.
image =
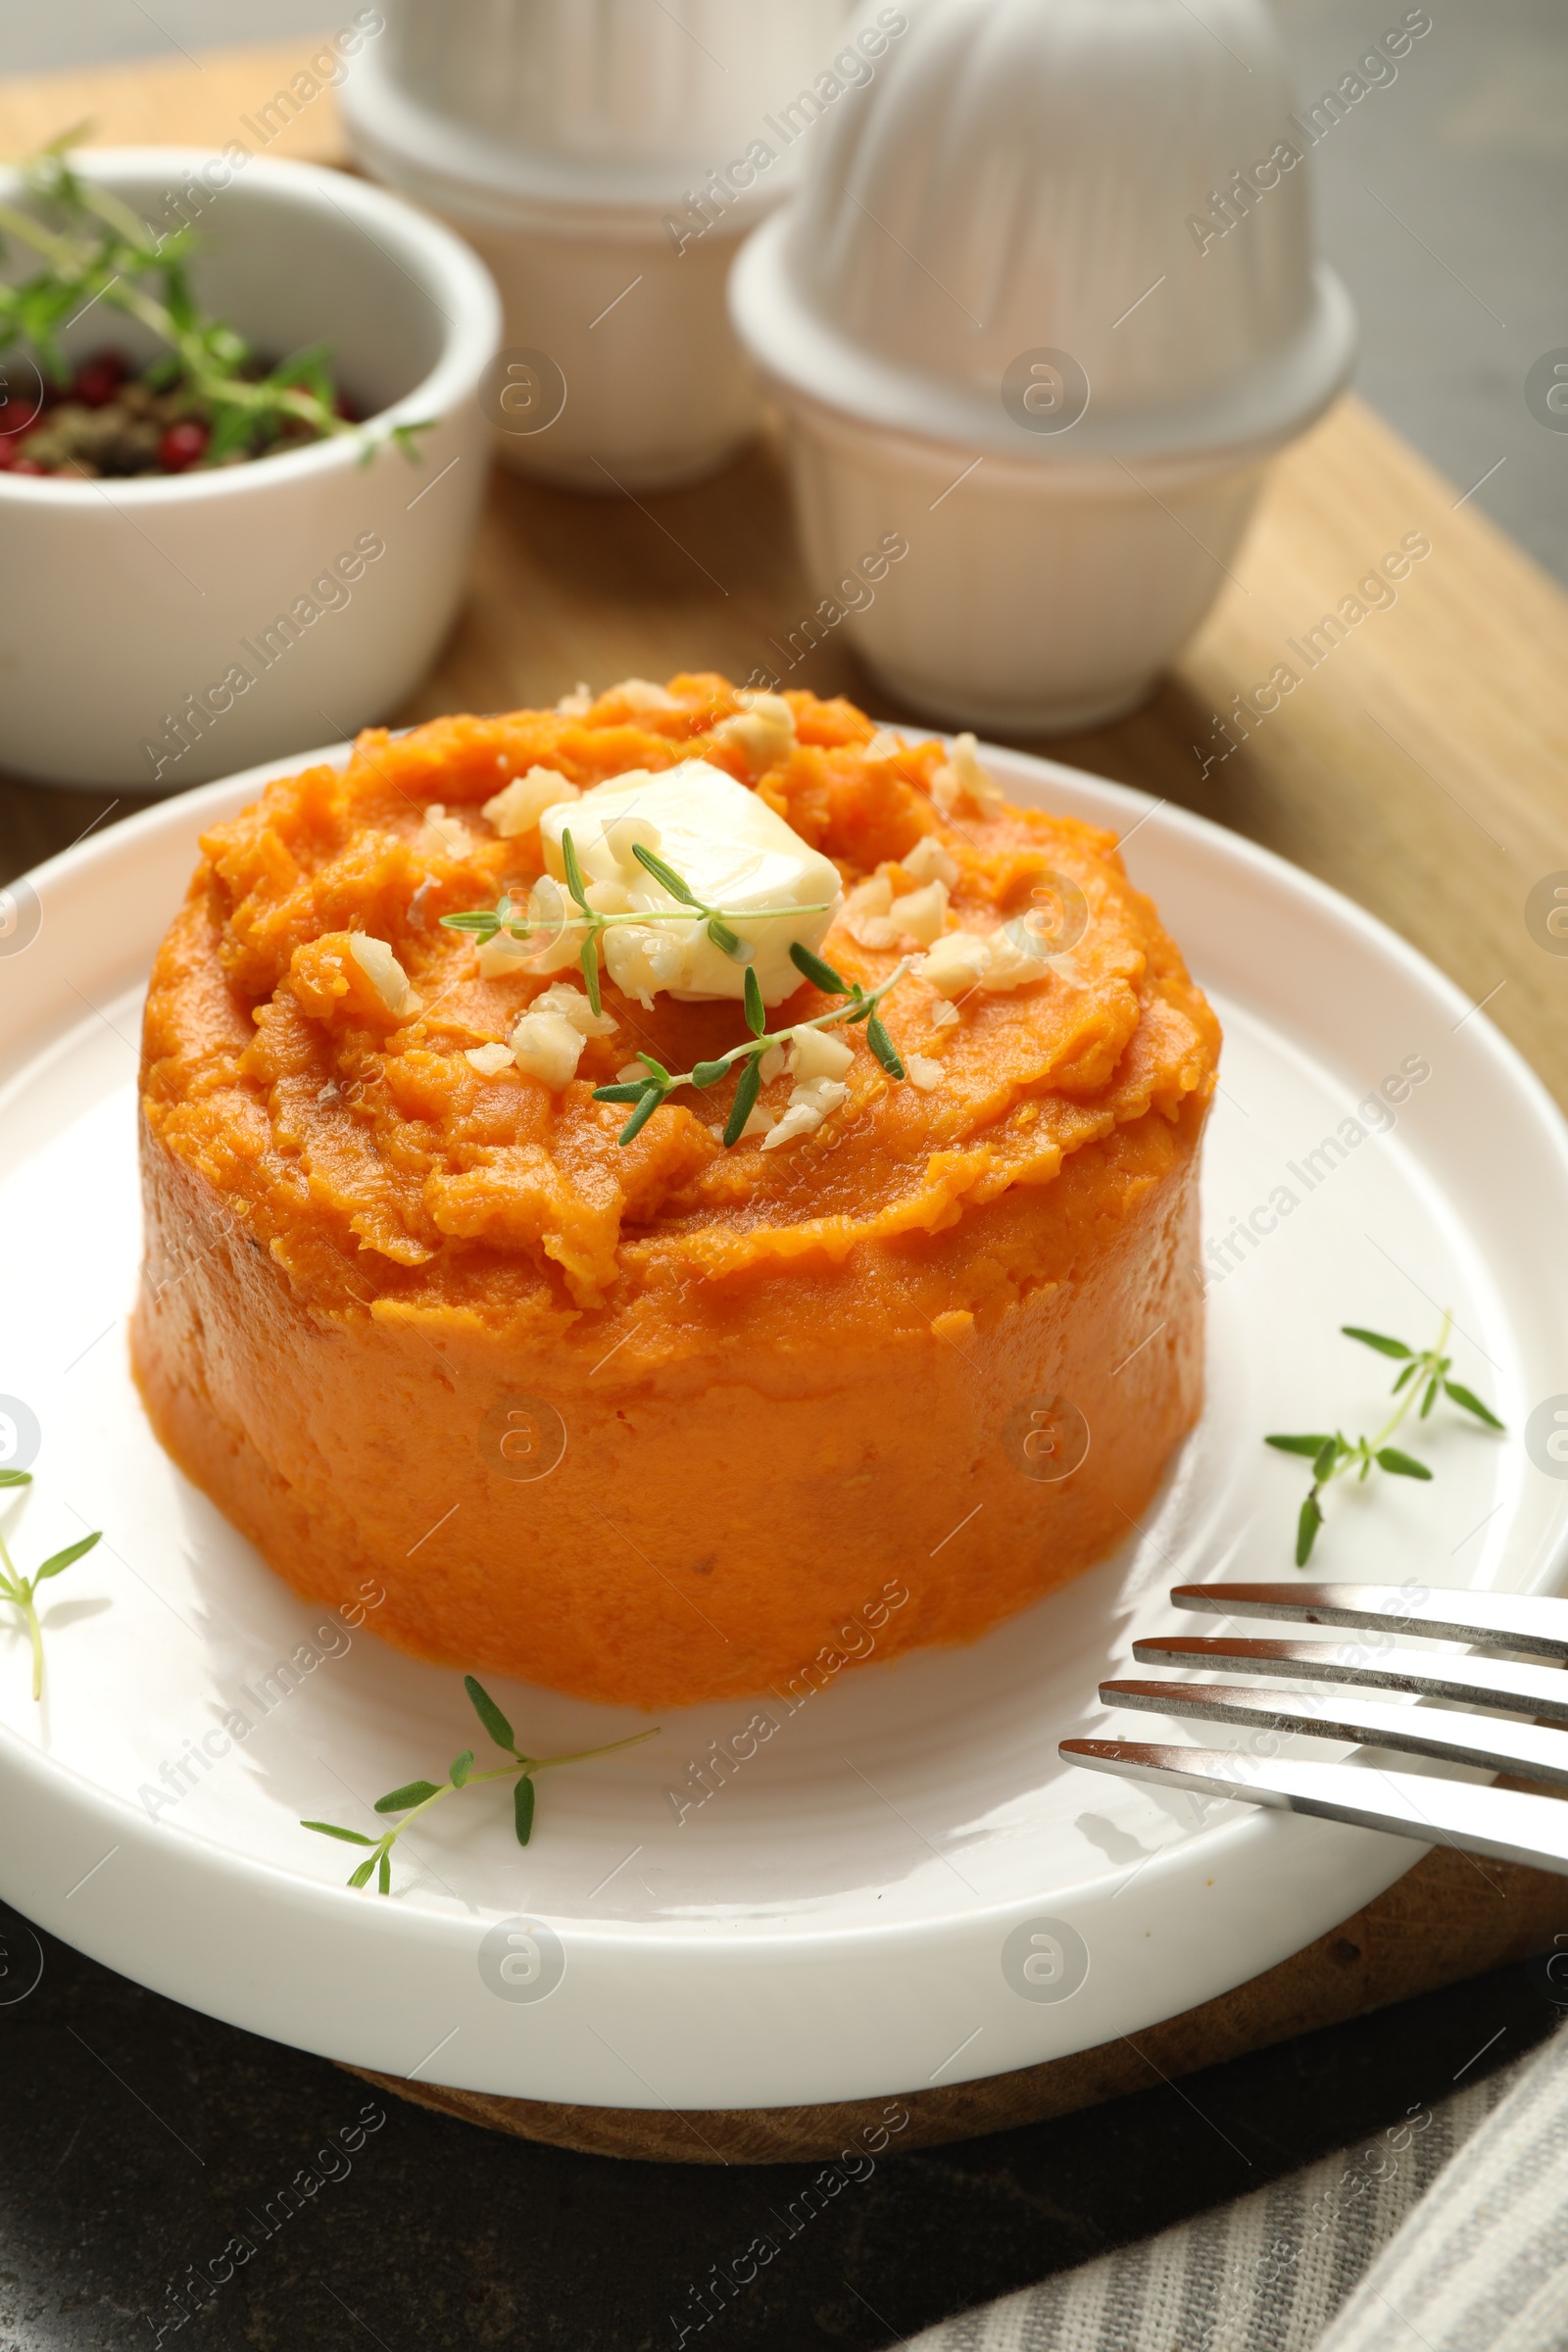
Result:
pixel 649 1423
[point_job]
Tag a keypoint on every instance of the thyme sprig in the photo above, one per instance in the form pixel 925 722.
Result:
pixel 1425 1374
pixel 102 252
pixel 23 1591
pixel 415 1797
pixel 484 923
pixel 648 1094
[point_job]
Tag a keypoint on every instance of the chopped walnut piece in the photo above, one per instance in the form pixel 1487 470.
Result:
pixel 763 731
pixel 524 801
pixel 386 975
pixel 961 780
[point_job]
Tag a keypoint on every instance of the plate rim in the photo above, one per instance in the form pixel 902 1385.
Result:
pixel 771 1939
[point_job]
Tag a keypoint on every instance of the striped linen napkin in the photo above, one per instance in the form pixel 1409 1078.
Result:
pixel 1449 2230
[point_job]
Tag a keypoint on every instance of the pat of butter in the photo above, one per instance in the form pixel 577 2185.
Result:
pixel 729 848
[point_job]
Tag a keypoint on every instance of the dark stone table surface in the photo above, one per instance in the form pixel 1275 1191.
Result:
pixel 138 2139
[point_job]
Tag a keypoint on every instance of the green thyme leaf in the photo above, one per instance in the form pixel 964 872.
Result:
pixel 483 921
pixel 1424 1375
pixel 490 1715
pixel 745 1095
pixel 657 1068
pixel 63 1559
pixel 821 975
pixel 882 1046
pixel 756 1012
pixel 738 950
pixel 398 1801
pixel 1375 1339
pixel 1306 1526
pixel 631 1092
pixel 568 858
pixel 666 874
pixel 1472 1404
pixel 709 1073
pixel 16 1478
pixel 1403 1465
pixel 651 1098
pixel 590 973
pixel 463 1776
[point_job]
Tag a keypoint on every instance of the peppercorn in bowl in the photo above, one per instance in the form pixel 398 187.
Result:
pixel 236 552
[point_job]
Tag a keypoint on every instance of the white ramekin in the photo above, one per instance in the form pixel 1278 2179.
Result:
pixel 633 335
pixel 1043 307
pixel 159 631
pixel 1033 598
pixel 606 163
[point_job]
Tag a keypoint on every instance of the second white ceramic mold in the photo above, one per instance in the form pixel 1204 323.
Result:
pixel 605 157
pixel 1045 306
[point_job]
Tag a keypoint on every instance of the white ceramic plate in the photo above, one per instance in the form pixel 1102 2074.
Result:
pixel 848 1914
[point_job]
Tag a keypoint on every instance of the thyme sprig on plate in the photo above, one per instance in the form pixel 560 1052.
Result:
pixel 862 1005
pixel 1424 1375
pixel 100 252
pixel 415 1797
pixel 484 923
pixel 23 1591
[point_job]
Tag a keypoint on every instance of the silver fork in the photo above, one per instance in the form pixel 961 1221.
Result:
pixel 1363 1788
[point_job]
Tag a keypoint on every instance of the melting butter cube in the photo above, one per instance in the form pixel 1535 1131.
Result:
pixel 731 849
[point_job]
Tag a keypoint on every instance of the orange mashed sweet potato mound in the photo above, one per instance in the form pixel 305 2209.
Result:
pixel 650 1424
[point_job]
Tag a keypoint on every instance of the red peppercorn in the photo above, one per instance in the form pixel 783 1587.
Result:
pixel 99 378
pixel 182 446
pixel 344 407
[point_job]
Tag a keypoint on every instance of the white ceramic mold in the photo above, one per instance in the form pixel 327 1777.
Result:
pixel 605 160
pixel 1045 305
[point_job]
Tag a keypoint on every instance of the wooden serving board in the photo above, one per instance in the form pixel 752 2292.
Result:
pixel 1420 766
pixel 1448 1917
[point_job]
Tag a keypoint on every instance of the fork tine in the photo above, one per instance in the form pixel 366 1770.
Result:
pixel 1535 1625
pixel 1500 1821
pixel 1378 1666
pixel 1452 1739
